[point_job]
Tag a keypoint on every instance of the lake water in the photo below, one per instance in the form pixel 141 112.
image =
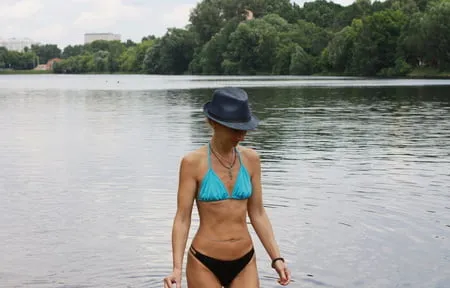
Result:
pixel 356 177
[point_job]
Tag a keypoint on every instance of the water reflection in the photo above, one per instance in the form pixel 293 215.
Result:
pixel 345 156
pixel 355 182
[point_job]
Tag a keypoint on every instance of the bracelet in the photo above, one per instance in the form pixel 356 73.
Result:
pixel 275 260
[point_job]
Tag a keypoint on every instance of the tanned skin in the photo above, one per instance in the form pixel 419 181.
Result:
pixel 223 231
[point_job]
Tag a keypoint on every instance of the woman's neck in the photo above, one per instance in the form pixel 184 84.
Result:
pixel 221 147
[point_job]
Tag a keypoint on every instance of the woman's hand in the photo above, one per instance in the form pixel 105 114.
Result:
pixel 283 272
pixel 174 277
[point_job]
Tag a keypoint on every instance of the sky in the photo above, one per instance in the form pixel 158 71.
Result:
pixel 64 22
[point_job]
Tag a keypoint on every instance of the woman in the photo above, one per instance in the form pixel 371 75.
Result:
pixel 225 180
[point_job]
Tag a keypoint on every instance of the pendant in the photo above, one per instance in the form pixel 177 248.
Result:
pixel 230 174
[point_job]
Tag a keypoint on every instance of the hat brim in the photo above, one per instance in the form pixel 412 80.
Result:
pixel 249 125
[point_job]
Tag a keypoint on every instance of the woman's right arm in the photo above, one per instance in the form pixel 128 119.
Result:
pixel 187 185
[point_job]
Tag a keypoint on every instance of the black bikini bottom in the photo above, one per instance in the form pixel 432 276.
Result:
pixel 225 270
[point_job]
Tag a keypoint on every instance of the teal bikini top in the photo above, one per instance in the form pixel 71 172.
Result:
pixel 213 189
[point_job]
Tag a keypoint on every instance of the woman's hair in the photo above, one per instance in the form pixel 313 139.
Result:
pixel 209 122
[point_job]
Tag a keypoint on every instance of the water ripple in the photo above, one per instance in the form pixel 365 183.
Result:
pixel 355 180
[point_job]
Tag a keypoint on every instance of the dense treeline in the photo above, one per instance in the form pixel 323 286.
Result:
pixel 29 58
pixel 390 38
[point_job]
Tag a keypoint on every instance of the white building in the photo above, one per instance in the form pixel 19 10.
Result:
pixel 90 37
pixel 17 44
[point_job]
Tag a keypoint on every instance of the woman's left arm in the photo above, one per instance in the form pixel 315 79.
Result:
pixel 260 221
pixel 256 211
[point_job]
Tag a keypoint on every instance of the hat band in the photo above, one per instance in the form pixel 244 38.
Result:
pixel 247 119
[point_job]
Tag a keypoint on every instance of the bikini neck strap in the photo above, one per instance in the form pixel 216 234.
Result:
pixel 209 154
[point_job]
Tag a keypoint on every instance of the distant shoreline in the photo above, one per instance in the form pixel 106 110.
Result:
pixel 25 72
pixel 416 74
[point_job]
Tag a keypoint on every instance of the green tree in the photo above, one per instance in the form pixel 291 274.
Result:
pixel 171 54
pixel 340 48
pixel 375 47
pixel 46 52
pixel 365 38
pixel 253 45
pixel 436 25
pixel 3 57
pixel 75 50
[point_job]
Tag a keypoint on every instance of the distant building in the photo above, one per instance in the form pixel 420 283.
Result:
pixel 91 37
pixel 17 44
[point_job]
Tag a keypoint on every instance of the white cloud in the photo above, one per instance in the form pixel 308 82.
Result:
pixel 51 33
pixel 20 9
pixel 8 29
pixel 104 13
pixel 177 16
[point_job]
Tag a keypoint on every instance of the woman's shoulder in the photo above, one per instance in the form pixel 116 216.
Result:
pixel 194 157
pixel 251 159
pixel 249 153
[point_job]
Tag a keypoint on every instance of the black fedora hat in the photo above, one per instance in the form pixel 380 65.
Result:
pixel 229 106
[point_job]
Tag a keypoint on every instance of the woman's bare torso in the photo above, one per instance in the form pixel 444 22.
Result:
pixel 223 231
